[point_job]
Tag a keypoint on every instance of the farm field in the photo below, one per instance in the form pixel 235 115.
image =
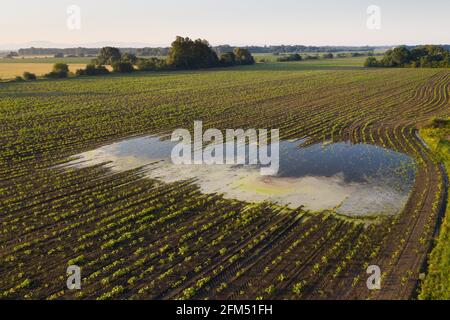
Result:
pixel 46 59
pixel 11 70
pixel 137 238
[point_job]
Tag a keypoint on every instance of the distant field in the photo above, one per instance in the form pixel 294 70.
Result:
pixel 39 65
pixel 11 70
pixel 41 59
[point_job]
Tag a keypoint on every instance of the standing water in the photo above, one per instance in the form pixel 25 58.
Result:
pixel 351 179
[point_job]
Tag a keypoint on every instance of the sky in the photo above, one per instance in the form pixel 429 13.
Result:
pixel 234 22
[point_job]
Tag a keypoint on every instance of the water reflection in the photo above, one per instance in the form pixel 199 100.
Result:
pixel 352 179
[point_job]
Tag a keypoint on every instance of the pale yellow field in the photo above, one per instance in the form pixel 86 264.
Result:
pixel 11 70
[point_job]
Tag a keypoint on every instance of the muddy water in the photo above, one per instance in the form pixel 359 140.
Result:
pixel 351 179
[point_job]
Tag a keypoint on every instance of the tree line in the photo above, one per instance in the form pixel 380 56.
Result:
pixel 163 51
pixel 184 54
pixel 429 56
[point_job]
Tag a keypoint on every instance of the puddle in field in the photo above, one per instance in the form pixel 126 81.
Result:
pixel 353 179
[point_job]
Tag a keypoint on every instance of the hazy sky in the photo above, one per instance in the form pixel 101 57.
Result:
pixel 236 22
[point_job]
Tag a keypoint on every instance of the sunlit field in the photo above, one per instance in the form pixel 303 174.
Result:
pixel 12 70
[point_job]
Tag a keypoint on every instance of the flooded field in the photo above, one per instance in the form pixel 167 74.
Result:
pixel 351 179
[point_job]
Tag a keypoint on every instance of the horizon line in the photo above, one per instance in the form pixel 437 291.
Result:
pixel 133 45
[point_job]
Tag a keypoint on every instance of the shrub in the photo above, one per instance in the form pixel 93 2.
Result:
pixel 291 57
pixel 92 70
pixel 60 67
pixel 29 76
pixel 151 64
pixel 56 75
pixel 128 57
pixel 243 56
pixel 228 59
pixel 371 62
pixel 60 70
pixel 122 67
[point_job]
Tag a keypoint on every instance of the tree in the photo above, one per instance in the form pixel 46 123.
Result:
pixel 243 56
pixel 328 56
pixel 371 62
pixel 92 70
pixel 397 57
pixel 290 57
pixel 188 54
pixel 151 64
pixel 422 56
pixel 401 56
pixel 130 58
pixel 60 67
pixel 296 57
pixel 228 59
pixel 60 70
pixel 29 76
pixel 122 67
pixel 180 53
pixel 108 56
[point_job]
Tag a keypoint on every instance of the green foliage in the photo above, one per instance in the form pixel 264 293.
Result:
pixel 125 225
pixel 76 261
pixel 311 57
pixel 188 54
pixel 60 70
pixel 92 70
pixel 371 62
pixel 111 294
pixel 130 58
pixel 108 56
pixel 228 59
pixel 238 57
pixel 122 67
pixel 419 57
pixel 28 76
pixel 60 67
pixel 121 63
pixel 243 56
pixel 151 64
pixel 437 282
pixel 290 57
